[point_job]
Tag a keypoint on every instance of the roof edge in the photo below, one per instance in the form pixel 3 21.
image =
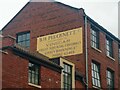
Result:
pixel 67 5
pixel 14 16
pixel 25 53
pixel 30 2
pixel 103 29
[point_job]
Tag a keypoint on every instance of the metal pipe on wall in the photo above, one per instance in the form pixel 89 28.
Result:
pixel 86 52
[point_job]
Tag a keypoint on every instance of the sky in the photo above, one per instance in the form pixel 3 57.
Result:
pixel 104 12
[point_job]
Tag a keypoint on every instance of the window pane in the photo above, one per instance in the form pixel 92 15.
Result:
pixel 97 68
pixel 65 78
pixel 98 83
pixel 27 43
pixel 94 67
pixel 19 38
pixel 29 78
pixel 92 74
pixel 36 79
pixel 65 86
pixel 24 37
pixel 69 79
pixel 28 36
pixel 33 77
pixel 98 76
pixel 65 67
pixel 68 68
pixel 93 80
pixel 23 43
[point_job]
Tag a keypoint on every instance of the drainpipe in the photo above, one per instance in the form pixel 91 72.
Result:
pixel 86 52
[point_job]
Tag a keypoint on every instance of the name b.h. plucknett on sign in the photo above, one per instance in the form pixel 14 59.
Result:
pixel 61 44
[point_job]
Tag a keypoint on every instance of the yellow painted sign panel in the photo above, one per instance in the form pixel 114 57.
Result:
pixel 61 44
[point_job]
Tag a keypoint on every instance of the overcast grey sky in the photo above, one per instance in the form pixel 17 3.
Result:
pixel 105 12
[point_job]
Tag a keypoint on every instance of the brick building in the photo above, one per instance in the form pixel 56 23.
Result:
pixel 81 53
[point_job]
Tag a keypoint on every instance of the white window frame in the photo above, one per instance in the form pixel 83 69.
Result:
pixel 94 35
pixel 109 47
pixel 62 61
pixel 96 81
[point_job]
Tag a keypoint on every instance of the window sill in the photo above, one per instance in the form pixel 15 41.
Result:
pixel 111 58
pixel 34 85
pixel 96 49
pixel 97 88
pixel 4 52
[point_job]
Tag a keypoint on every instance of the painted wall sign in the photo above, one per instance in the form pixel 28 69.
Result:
pixel 61 44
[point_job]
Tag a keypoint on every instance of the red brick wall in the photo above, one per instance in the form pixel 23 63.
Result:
pixel 46 18
pixel 15 73
pixel 8 41
pixel 50 78
pixel 78 84
pixel 119 76
pixel 104 61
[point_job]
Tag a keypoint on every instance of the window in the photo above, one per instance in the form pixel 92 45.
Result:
pixel 67 76
pixel 110 79
pixel 94 38
pixel 109 47
pixel 23 39
pixel 33 74
pixel 119 53
pixel 96 75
